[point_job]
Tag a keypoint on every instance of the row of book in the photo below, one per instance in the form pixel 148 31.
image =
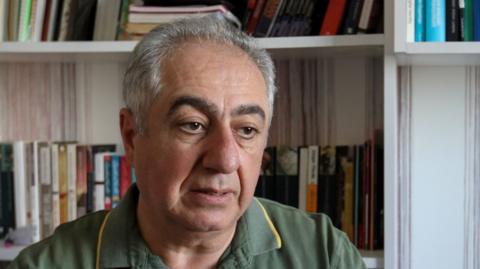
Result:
pixel 45 184
pixel 344 182
pixel 313 17
pixel 443 20
pixel 74 20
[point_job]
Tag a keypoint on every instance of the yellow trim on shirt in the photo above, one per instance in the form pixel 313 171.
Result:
pixel 99 241
pixel 270 224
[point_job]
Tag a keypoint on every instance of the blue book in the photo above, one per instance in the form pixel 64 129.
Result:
pixel 115 188
pixel 435 16
pixel 476 20
pixel 419 20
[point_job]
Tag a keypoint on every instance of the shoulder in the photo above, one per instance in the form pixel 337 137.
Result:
pixel 72 244
pixel 312 237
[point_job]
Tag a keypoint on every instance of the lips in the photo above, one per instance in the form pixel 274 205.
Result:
pixel 211 196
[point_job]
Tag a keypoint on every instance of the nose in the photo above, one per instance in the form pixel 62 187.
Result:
pixel 222 154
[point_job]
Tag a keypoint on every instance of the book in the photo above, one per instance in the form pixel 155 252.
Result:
pixel 410 18
pixel 37 19
pixel 91 189
pixel 106 20
pixel 72 181
pixel 435 26
pixel 45 176
pixel 476 20
pixel 55 194
pixel 115 180
pixel 312 187
pixel 369 18
pixel 302 177
pixel 107 175
pixel 125 176
pixel 7 188
pixel 252 23
pixel 82 20
pixel 419 20
pixel 24 21
pixel 82 176
pixel 268 17
pixel 20 184
pixel 319 10
pixel 352 17
pixel 333 17
pixel 452 21
pixel 327 183
pixel 13 17
pixel 286 175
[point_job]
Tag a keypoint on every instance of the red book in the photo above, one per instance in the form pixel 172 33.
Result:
pixel 125 176
pixel 333 17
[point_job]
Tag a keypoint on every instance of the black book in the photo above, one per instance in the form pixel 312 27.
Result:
pixel 82 20
pixel 286 175
pixel 266 183
pixel 352 16
pixel 452 20
pixel 6 189
pixel 319 10
pixel 327 183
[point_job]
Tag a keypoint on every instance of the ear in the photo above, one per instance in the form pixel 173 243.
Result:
pixel 128 131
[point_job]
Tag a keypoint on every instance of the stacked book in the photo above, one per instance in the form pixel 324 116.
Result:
pixel 45 184
pixel 142 19
pixel 344 182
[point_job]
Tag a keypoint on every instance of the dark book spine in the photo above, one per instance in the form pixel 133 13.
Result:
pixel 318 15
pixel 452 20
pixel 352 16
pixel 461 19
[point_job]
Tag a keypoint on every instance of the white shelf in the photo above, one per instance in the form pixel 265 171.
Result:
pixel 118 51
pixel 440 53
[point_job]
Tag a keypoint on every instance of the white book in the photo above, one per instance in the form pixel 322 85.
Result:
pixel 365 15
pixel 106 20
pixel 55 188
pixel 45 173
pixel 99 197
pixel 410 17
pixel 38 23
pixel 20 184
pixel 303 178
pixel 72 181
pixel 35 192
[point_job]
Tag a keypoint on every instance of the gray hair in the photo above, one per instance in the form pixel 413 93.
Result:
pixel 142 80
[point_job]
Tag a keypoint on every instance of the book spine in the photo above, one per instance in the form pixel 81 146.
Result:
pixel 99 196
pixel 435 20
pixel 72 181
pixel 252 24
pixel 108 181
pixel 303 178
pixel 411 20
pixel 468 20
pixel 55 187
pixel 63 181
pixel 267 19
pixel 82 171
pixel 312 196
pixel 452 22
pixel 333 17
pixel 125 176
pixel 35 192
pixel 352 17
pixel 24 23
pixel 115 180
pixel 419 20
pixel 476 20
pixel 20 185
pixel 7 179
pixel 46 191
pixel 461 19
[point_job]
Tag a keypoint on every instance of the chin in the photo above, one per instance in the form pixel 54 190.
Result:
pixel 211 222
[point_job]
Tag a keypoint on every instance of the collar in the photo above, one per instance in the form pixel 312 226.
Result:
pixel 122 245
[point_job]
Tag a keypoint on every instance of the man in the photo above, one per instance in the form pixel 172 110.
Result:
pixel 199 101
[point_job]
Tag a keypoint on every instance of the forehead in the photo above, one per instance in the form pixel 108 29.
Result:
pixel 217 72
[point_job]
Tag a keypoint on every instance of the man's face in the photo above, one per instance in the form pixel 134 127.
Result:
pixel 198 163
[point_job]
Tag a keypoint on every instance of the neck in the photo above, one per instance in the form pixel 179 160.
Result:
pixel 178 246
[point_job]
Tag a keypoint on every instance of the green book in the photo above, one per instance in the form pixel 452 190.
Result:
pixel 468 21
pixel 24 23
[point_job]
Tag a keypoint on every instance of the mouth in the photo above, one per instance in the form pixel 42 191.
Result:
pixel 211 196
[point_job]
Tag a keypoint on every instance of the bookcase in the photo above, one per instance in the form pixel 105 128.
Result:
pixel 432 184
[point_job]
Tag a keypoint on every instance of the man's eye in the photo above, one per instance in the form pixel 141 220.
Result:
pixel 193 127
pixel 247 132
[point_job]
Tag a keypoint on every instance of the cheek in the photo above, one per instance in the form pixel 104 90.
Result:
pixel 250 172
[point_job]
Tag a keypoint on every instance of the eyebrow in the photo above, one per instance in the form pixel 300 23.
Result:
pixel 210 108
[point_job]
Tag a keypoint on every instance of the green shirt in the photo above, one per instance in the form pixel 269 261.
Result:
pixel 269 235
